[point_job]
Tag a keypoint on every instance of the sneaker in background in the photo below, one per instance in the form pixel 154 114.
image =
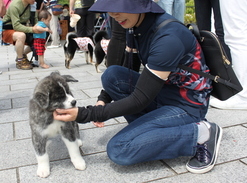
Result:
pixel 206 154
pixel 54 46
pixel 35 63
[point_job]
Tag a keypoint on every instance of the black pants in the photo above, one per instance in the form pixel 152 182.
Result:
pixel 203 10
pixel 85 26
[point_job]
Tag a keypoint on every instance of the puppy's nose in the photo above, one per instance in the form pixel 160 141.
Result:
pixel 73 103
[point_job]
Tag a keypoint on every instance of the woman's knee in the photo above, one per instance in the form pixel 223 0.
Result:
pixel 111 75
pixel 117 154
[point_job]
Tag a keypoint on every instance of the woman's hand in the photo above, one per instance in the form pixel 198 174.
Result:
pixel 99 124
pixel 65 114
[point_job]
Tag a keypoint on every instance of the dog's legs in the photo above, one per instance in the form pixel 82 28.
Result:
pixel 90 50
pixel 86 57
pixel 97 69
pixel 75 155
pixel 40 145
pixel 43 165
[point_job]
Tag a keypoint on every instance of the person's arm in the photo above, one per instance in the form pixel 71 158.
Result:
pixel 15 20
pixel 41 7
pixel 42 29
pixel 147 88
pixel 71 6
pixel 2 8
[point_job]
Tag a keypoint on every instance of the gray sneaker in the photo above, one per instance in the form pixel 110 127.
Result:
pixel 206 154
pixel 35 63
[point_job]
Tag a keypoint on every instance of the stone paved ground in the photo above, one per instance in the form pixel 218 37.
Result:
pixel 17 159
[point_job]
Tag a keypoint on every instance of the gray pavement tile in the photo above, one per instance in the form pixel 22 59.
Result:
pixel 16 153
pixel 22 130
pixel 5 104
pixel 8 176
pixel 20 102
pixel 121 119
pixel 86 102
pixel 244 160
pixel 233 144
pixel 18 81
pixel 93 93
pixel 3 75
pixel 91 85
pixel 21 152
pixel 95 140
pixel 16 94
pixel 23 86
pixel 99 169
pixel 178 164
pixel 3 89
pixel 91 125
pixel 226 173
pixel 226 118
pixel 6 132
pixel 79 94
pixel 9 115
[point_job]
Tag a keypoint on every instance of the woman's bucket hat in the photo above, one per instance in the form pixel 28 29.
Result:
pixel 126 6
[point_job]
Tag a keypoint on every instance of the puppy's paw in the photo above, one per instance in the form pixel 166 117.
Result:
pixel 43 171
pixel 79 142
pixel 79 163
pixel 98 71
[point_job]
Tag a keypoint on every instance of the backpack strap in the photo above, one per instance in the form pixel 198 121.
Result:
pixel 216 79
pixel 196 32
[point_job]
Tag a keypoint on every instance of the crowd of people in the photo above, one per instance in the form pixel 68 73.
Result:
pixel 164 106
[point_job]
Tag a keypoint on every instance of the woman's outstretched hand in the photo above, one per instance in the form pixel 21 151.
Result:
pixel 65 114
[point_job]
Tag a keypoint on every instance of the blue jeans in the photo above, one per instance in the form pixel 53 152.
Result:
pixel 175 8
pixel 158 132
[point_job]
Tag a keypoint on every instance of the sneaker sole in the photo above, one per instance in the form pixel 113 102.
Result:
pixel 210 167
pixel 24 68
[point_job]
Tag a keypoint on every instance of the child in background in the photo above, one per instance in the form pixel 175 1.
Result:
pixel 44 18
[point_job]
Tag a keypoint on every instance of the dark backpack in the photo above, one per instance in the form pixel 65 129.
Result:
pixel 225 82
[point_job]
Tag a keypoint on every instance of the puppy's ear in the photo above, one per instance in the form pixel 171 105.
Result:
pixel 69 78
pixel 42 99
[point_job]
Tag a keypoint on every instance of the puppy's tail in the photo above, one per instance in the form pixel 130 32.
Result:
pixel 100 35
pixel 69 37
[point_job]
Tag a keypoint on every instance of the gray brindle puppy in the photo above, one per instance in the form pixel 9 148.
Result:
pixel 51 93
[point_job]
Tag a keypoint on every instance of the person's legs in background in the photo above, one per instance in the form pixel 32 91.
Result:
pixel 219 30
pixel 179 9
pixel 167 5
pixel 85 26
pixel 18 39
pixel 90 20
pixel 81 24
pixel 234 22
pixel 203 11
pixel 54 23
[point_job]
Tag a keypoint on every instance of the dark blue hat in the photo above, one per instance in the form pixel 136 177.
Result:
pixel 126 6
